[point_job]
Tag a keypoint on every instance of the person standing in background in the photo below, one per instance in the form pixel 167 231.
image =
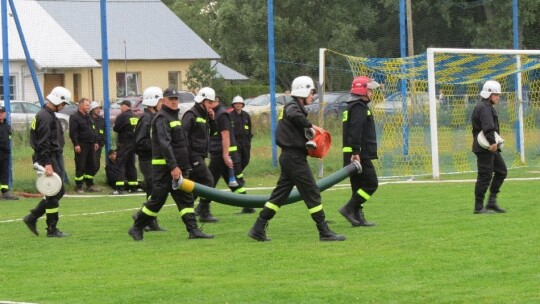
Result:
pixel 124 126
pixel 99 127
pixel 5 155
pixel 491 166
pixel 84 139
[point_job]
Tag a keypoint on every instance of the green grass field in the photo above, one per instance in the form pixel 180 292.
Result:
pixel 427 247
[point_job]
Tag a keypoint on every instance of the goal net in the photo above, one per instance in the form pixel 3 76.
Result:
pixel 423 109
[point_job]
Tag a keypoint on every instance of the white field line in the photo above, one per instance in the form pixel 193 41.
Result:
pixel 334 188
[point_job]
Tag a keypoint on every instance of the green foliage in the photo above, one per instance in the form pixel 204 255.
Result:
pixel 427 247
pixel 201 74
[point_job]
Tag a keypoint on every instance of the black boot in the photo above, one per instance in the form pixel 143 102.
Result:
pixel 154 226
pixel 205 216
pixel 348 213
pixel 492 204
pixel 325 234
pixel 141 220
pixel 479 207
pixel 359 214
pixel 31 220
pixel 246 210
pixel 54 232
pixel 191 226
pixel 258 231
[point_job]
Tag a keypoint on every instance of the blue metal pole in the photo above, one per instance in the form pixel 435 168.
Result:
pixel 5 80
pixel 403 53
pixel 515 26
pixel 272 71
pixel 29 61
pixel 105 70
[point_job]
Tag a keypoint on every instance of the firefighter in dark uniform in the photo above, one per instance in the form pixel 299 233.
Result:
pixel 491 167
pixel 292 135
pixel 99 127
pixel 198 123
pixel 360 144
pixel 143 143
pixel 170 160
pixel 112 170
pixel 243 134
pixel 224 157
pixel 5 153
pixel 125 147
pixel 84 139
pixel 44 140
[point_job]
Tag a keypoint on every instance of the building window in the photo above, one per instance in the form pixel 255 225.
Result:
pixel 175 81
pixel 11 87
pixel 127 84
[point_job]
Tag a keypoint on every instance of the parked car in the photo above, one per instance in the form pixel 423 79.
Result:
pixel 114 109
pixel 23 112
pixel 187 100
pixel 259 107
pixel 336 102
pixel 70 108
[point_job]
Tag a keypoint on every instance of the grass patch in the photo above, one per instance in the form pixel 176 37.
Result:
pixel 427 247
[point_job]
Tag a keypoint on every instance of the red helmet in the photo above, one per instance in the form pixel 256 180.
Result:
pixel 361 84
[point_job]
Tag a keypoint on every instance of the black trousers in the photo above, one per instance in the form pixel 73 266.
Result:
pixel 85 164
pixel 160 191
pixel 295 171
pixel 145 165
pixel 218 168
pixel 201 174
pixel 125 157
pixel 4 172
pixel 50 204
pixel 491 174
pixel 363 185
pixel 244 150
pixel 97 157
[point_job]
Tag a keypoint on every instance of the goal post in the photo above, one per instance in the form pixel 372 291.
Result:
pixel 422 110
pixel 431 52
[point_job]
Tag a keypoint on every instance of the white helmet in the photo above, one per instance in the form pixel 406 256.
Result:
pixel 490 87
pixel 151 96
pixel 302 86
pixel 238 99
pixel 205 93
pixel 59 95
pixel 94 104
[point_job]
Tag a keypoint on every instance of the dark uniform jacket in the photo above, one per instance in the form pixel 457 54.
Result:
pixel 5 135
pixel 359 135
pixel 224 122
pixel 143 142
pixel 125 126
pixel 44 136
pixel 290 133
pixel 81 129
pixel 197 125
pixel 169 140
pixel 484 118
pixel 242 126
pixel 99 127
pixel 113 172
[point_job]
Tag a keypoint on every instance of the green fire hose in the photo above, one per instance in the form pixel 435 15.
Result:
pixel 258 201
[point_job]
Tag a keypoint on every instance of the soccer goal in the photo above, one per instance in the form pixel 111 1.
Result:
pixel 423 110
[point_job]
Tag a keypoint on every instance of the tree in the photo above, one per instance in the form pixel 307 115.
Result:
pixel 200 74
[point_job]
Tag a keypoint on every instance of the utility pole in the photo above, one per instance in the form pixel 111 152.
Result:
pixel 410 38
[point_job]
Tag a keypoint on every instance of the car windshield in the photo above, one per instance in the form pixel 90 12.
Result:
pixel 260 100
pixel 329 97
